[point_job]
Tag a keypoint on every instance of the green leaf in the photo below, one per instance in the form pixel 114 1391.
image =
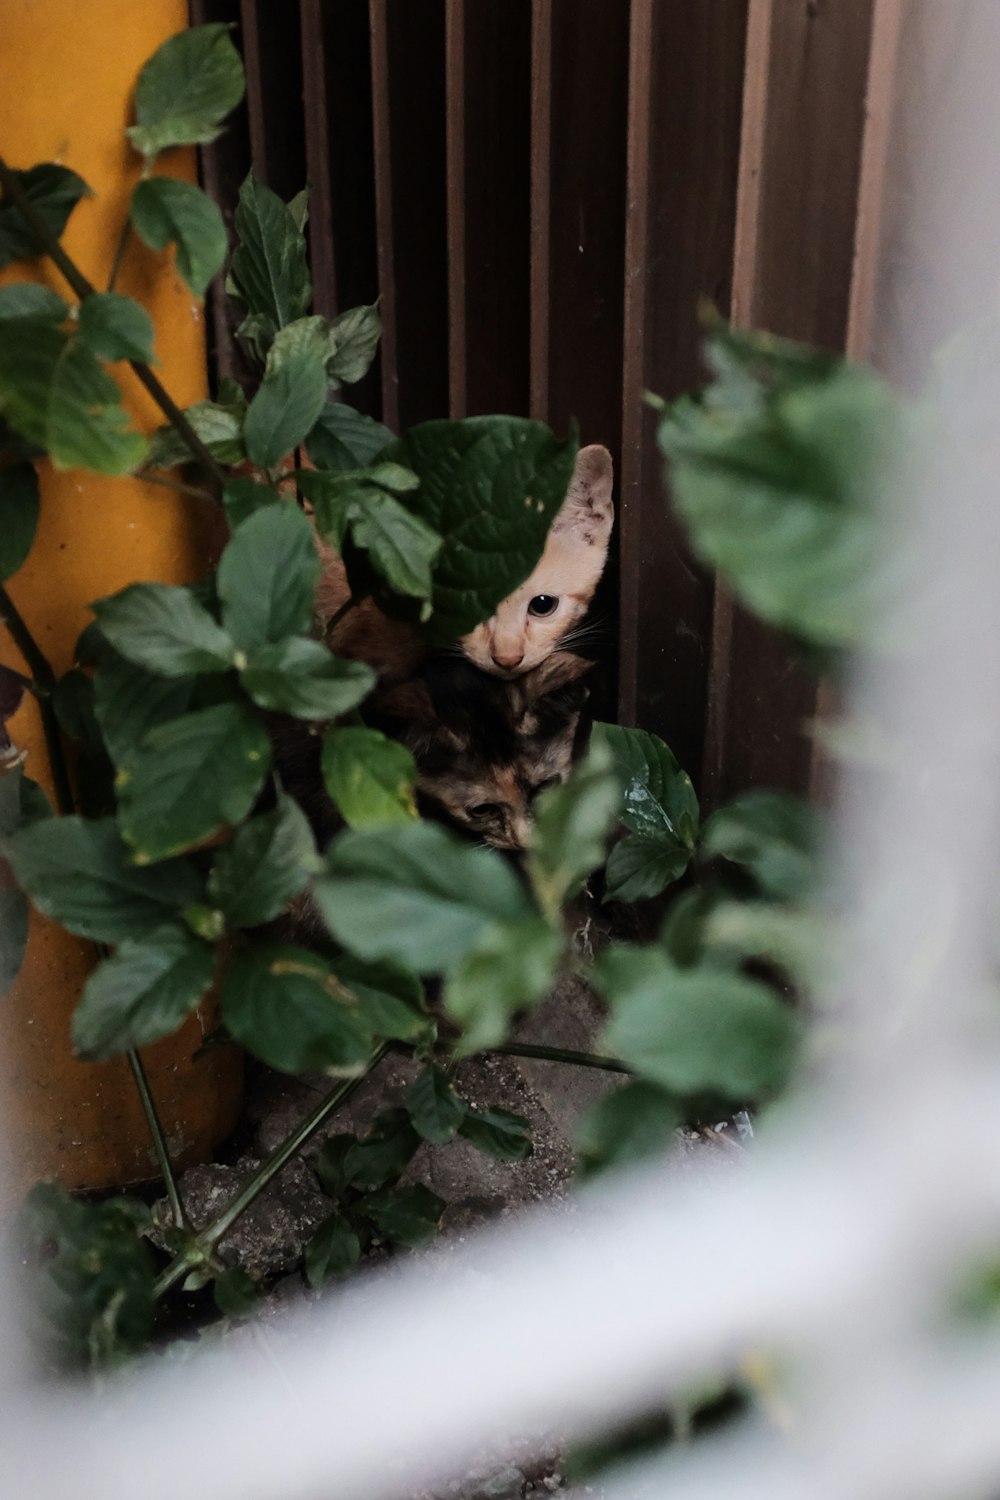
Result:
pixel 435 1108
pixel 415 894
pixel 129 701
pixel 285 1007
pixel 257 331
pixel 192 777
pixel 774 836
pixel 797 941
pixel 243 498
pixel 659 801
pixel 267 577
pixel 13 935
pixel 639 868
pixel 27 299
pixel 284 409
pixel 344 439
pixel 391 1000
pixel 267 863
pixel 491 486
pixel 303 678
pixel 695 1031
pixel 186 90
pixel 498 1132
pixel 19 506
pixel 633 1122
pixel 685 927
pixel 235 1293
pixel 385 1151
pixel 332 1252
pixel 309 335
pixel 406 1215
pixel 510 966
pixel 220 428
pixel 142 993
pixel 354 337
pixel 268 273
pixel 331 1164
pixel 371 778
pixel 55 191
pixel 572 823
pixel 116 327
pixel 22 801
pixel 168 212
pixel 400 546
pixel 298 207
pixel 162 627
pixel 78 872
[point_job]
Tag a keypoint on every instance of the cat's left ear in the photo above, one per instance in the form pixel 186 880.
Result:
pixel 587 514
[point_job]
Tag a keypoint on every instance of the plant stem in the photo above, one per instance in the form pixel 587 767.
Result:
pixel 49 241
pixel 159 1140
pixel 43 681
pixel 116 264
pixel 339 614
pixel 561 1055
pixel 144 477
pixel 210 1236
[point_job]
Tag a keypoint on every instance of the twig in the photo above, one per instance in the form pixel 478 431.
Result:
pixel 159 1140
pixel 335 619
pixel 116 264
pixel 561 1055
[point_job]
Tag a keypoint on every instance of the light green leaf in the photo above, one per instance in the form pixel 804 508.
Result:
pixel 116 327
pixel 143 992
pixel 284 409
pixel 168 212
pixel 219 426
pixel 354 337
pixel 572 823
pixel 268 273
pixel 27 299
pixel 162 626
pixel 267 863
pixel 301 677
pixel 298 207
pixel 503 1135
pixel 774 836
pixel 400 546
pixel 631 1123
pixel 332 1252
pixel 129 701
pixel 309 335
pixel 267 577
pixel 415 894
pixel 19 506
pixel 55 191
pixel 407 1215
pixel 243 497
pixel 344 439
pixel 77 872
pixel 696 1031
pixel 186 90
pixel 192 777
pixel 285 1007
pixel 434 1107
pixel 509 967
pixel 370 777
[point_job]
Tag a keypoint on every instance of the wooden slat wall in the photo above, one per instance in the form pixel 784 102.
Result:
pixel 542 192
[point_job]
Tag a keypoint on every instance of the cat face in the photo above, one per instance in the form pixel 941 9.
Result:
pixel 484 749
pixel 529 624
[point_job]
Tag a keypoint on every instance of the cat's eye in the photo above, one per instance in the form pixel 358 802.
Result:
pixel 485 810
pixel 543 604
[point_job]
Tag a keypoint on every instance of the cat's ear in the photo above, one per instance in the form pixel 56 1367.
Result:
pixel 587 514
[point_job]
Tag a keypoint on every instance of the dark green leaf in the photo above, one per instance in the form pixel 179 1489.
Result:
pixel 696 1031
pixel 370 777
pixel 235 1293
pixel 268 272
pixel 267 577
pixel 220 428
pixel 116 327
pixel 143 992
pixel 491 486
pixel 162 627
pixel 332 1252
pixel 390 999
pixel 27 299
pixel 129 701
pixel 331 1163
pixel 13 935
pixel 303 678
pixel 55 191
pixel 659 800
pixel 284 409
pixel 400 546
pixel 572 823
pixel 343 439
pixel 22 801
pixel 285 1006
pixel 186 90
pixel 385 1151
pixel 192 776
pixel 267 863
pixel 633 1122
pixel 435 1108
pixel 19 505
pixel 168 212
pixel 407 1215
pixel 257 331
pixel 73 701
pixel 684 930
pixel 354 337
pixel 78 872
pixel 415 894
pixel 508 967
pixel 498 1132
pixel 640 867
pixel 773 836
pixel 243 498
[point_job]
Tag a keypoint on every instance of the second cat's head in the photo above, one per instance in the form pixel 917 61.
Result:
pixel 529 624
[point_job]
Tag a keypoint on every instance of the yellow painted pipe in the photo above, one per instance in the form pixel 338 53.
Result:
pixel 67 72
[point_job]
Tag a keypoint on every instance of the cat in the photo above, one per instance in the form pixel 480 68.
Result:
pixel 529 624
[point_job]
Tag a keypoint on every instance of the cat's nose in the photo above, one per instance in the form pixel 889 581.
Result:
pixel 507 661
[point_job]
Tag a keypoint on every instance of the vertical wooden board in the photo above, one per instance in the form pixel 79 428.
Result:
pixel 800 168
pixel 315 106
pixel 408 57
pixel 488 87
pixel 272 55
pixel 686 79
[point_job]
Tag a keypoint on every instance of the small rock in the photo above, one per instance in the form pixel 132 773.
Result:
pixel 504 1484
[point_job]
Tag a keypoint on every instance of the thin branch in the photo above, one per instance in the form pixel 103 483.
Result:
pixel 561 1055
pixel 335 619
pixel 145 477
pixel 43 681
pixel 116 264
pixel 159 1139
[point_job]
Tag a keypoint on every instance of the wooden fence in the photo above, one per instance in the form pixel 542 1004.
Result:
pixel 542 192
